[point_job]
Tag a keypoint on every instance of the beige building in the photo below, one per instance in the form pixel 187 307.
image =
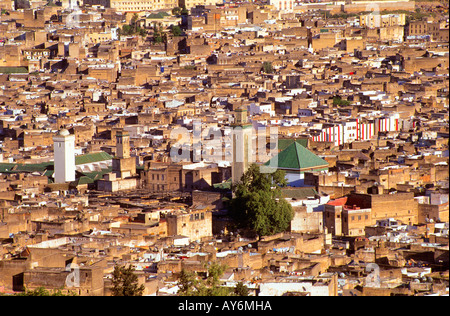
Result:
pixel 195 224
pixel 306 221
pixel 135 5
pixel 123 167
pixel 282 5
pixel 351 214
pixel 434 212
pixel 377 20
pixel 392 33
pixel 7 4
pixel 98 37
pixel 192 3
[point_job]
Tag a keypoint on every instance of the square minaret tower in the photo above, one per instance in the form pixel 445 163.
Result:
pixel 64 156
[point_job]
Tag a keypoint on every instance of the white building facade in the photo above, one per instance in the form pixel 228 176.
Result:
pixel 283 5
pixel 64 157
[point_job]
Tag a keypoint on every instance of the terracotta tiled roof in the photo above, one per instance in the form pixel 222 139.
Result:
pixel 338 202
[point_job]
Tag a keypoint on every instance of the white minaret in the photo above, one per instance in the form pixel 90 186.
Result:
pixel 64 156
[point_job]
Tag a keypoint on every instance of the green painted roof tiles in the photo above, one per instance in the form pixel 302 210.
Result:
pixel 283 143
pixel 297 157
pixel 93 157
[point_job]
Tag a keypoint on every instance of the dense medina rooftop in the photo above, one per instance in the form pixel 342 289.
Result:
pixel 124 137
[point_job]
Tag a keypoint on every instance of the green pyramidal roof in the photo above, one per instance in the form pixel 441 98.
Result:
pixel 283 143
pixel 295 156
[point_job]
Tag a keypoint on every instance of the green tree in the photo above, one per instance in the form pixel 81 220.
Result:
pixel 176 11
pixel 258 204
pixel 189 284
pixel 176 30
pixel 192 285
pixel 132 28
pixel 41 291
pixel 159 36
pixel 134 23
pixel 184 11
pixel 339 102
pixel 125 282
pixel 241 289
pixel 127 29
pixel 267 67
pixel 51 3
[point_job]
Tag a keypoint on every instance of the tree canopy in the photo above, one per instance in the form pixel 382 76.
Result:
pixel 176 30
pixel 258 204
pixel 340 102
pixel 267 67
pixel 132 28
pixel 41 291
pixel 159 36
pixel 191 284
pixel 125 282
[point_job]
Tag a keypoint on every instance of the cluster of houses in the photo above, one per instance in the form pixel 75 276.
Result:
pixel 119 149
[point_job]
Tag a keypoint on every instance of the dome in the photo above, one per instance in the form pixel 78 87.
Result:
pixel 64 132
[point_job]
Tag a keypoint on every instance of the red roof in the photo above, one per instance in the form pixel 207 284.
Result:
pixel 338 202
